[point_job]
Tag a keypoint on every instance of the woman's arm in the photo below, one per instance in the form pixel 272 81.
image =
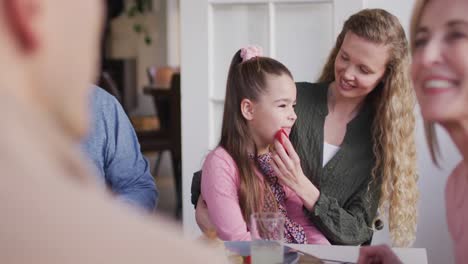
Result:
pixel 352 222
pixel 287 166
pixel 349 223
pixel 219 188
pixel 203 218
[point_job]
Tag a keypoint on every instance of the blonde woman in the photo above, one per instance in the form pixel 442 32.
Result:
pixel 439 42
pixel 353 147
pixel 361 110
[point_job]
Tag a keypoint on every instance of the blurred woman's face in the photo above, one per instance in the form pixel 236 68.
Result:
pixel 440 61
pixel 359 66
pixel 67 60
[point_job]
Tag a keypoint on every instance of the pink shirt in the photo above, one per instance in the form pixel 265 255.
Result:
pixel 220 187
pixel 456 199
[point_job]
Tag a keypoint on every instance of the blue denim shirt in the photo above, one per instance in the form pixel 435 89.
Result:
pixel 113 146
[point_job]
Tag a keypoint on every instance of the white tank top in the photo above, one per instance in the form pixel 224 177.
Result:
pixel 329 151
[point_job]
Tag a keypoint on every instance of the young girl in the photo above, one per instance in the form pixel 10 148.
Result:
pixel 237 177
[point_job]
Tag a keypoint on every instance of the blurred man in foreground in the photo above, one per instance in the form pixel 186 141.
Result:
pixel 52 211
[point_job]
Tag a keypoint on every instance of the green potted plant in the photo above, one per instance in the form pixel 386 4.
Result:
pixel 136 8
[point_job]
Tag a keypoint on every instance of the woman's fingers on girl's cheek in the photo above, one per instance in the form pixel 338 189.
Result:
pixel 278 162
pixel 275 169
pixel 285 173
pixel 288 145
pixel 286 163
pixel 290 149
pixel 289 165
pixel 281 153
pixel 281 177
pixel 288 154
pixel 280 150
pixel 294 156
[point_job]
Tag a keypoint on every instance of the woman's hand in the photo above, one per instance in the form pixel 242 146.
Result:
pixel 287 166
pixel 381 254
pixel 202 217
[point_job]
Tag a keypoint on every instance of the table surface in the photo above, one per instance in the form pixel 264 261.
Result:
pixel 351 253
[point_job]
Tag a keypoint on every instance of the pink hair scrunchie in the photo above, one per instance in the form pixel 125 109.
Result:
pixel 250 52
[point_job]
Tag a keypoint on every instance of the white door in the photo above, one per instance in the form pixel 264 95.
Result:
pixel 299 33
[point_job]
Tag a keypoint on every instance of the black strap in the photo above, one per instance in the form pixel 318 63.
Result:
pixel 196 187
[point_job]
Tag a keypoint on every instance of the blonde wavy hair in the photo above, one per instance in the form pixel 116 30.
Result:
pixel 429 127
pixel 394 122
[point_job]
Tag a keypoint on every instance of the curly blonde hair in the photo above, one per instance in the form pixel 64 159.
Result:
pixel 394 122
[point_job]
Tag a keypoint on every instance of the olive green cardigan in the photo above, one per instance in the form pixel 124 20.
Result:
pixel 347 204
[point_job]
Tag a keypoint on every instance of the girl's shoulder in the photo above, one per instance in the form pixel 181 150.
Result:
pixel 219 169
pixel 219 153
pixel 219 157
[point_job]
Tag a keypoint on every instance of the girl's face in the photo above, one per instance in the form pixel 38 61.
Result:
pixel 273 110
pixel 440 61
pixel 359 66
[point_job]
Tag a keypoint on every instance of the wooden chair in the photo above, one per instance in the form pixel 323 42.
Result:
pixel 168 137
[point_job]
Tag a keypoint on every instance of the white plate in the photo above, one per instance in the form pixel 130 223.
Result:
pixel 242 248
